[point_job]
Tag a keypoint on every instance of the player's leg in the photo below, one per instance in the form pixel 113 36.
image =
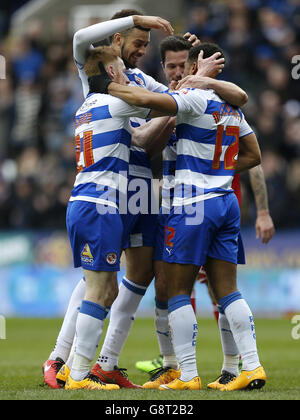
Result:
pixel 64 342
pixel 64 372
pixel 188 242
pixel 170 368
pixel 161 317
pixel 185 252
pixel 183 324
pixel 222 276
pixel 213 301
pixel 165 365
pixel 66 335
pixel 96 238
pixel 230 365
pixel 139 274
pixel 161 299
pixel 89 328
pixel 138 243
pixel 231 358
pixel 161 322
pixel 221 267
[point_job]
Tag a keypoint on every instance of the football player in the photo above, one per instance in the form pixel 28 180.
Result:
pixel 209 132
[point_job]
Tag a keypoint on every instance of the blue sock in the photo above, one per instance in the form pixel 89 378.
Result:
pixel 228 300
pixel 178 301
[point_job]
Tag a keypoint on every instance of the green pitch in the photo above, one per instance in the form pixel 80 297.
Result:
pixel 29 342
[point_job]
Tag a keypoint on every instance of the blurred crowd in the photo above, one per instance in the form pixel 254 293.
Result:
pixel 42 92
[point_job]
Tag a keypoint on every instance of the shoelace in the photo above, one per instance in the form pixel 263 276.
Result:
pixel 157 362
pixel 94 378
pixel 226 377
pixel 122 371
pixel 156 373
pixel 58 364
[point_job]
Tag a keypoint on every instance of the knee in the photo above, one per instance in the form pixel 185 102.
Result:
pixel 111 296
pixel 139 265
pixel 141 275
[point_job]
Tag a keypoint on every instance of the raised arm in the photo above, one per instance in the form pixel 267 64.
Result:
pixel 84 38
pixel 264 225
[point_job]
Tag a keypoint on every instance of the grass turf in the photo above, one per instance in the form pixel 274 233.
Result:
pixel 29 342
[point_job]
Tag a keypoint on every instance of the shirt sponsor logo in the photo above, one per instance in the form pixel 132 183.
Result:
pixel 86 255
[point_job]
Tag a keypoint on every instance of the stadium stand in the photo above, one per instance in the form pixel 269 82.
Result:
pixel 42 91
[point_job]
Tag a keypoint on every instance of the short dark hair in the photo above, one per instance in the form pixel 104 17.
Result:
pixel 208 49
pixel 130 12
pixel 125 13
pixel 173 43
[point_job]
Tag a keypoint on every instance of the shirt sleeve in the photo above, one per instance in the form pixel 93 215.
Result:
pixel 84 82
pixel 245 128
pixel 190 101
pixel 154 86
pixel 120 108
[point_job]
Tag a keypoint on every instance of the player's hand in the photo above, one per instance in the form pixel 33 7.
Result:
pixel 264 227
pixel 193 39
pixel 154 22
pixel 173 85
pixel 211 66
pixel 193 82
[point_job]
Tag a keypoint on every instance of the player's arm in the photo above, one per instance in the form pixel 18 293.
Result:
pixel 161 104
pixel 84 38
pixel 228 91
pixel 264 225
pixel 249 153
pixel 154 135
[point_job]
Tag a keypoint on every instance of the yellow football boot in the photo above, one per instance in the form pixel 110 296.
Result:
pixel 91 382
pixel 161 376
pixel 62 375
pixel 222 380
pixel 179 385
pixel 247 380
